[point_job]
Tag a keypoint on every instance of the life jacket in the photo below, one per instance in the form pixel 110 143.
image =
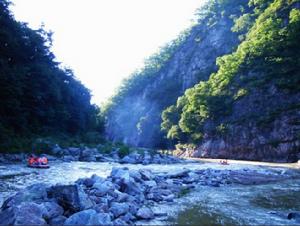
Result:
pixel 31 161
pixel 43 160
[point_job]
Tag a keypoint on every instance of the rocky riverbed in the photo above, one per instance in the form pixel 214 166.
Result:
pixel 85 154
pixel 152 194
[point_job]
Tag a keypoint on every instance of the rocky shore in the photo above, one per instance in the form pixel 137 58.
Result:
pixel 125 197
pixel 85 154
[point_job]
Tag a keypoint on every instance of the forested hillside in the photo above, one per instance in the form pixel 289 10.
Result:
pixel 134 112
pixel 38 97
pixel 249 106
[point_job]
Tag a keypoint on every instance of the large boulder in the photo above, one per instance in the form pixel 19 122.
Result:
pixel 56 150
pixel 88 155
pixel 120 196
pixel 36 193
pixel 89 217
pixel 136 175
pixel 120 173
pixel 74 151
pixel 119 209
pixel 97 178
pixel 128 159
pixel 60 220
pixel 179 173
pixel 51 210
pixel 71 197
pixel 146 174
pixel 70 158
pixel 145 213
pixel 26 213
pixel 103 188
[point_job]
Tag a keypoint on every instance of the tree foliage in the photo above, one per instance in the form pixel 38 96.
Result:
pixel 37 95
pixel 271 47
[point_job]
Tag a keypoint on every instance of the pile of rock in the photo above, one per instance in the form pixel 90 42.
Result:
pixel 120 199
pixel 86 154
pixel 125 197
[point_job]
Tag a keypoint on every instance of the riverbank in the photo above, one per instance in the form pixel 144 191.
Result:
pixel 86 154
pixel 130 195
pixel 294 165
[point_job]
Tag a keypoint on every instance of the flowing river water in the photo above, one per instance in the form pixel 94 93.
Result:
pixel 225 205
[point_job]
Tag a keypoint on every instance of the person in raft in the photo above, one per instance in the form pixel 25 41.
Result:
pixel 33 160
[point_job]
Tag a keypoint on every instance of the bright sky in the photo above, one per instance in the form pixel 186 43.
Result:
pixel 104 41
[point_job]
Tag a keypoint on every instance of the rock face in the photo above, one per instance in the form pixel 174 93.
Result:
pixel 259 112
pixel 136 119
pixel 71 197
pixel 88 217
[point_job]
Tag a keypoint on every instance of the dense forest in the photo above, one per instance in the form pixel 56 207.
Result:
pixel 39 98
pixel 243 101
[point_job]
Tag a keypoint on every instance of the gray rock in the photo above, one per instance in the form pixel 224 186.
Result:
pixel 51 210
pixel 119 209
pixel 145 213
pixel 294 216
pixel 69 158
pixel 129 160
pixel 150 183
pixel 50 158
pixel 120 173
pixel 102 208
pixel 66 152
pixel 169 198
pixel 159 212
pixel 135 175
pixel 27 213
pixel 146 174
pixel 121 197
pixel 71 197
pixel 98 179
pixel 89 217
pixel 60 220
pixel 133 207
pixel 88 155
pixel 88 182
pixel 119 221
pixel 36 193
pixel 74 151
pixel 178 173
pixel 7 216
pixel 128 217
pixel 131 187
pixel 155 197
pixel 57 151
pixel 103 188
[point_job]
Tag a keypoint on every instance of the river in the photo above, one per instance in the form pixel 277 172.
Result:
pixel 226 205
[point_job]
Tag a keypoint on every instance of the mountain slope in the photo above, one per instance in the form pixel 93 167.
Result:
pixel 134 113
pixel 250 108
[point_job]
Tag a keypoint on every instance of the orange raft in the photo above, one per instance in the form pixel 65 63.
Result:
pixel 38 162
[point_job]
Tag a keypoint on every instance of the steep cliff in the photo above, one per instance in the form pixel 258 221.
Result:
pixel 236 79
pixel 134 116
pixel 250 108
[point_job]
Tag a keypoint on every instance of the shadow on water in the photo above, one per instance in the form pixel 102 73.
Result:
pixel 199 215
pixel 278 199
